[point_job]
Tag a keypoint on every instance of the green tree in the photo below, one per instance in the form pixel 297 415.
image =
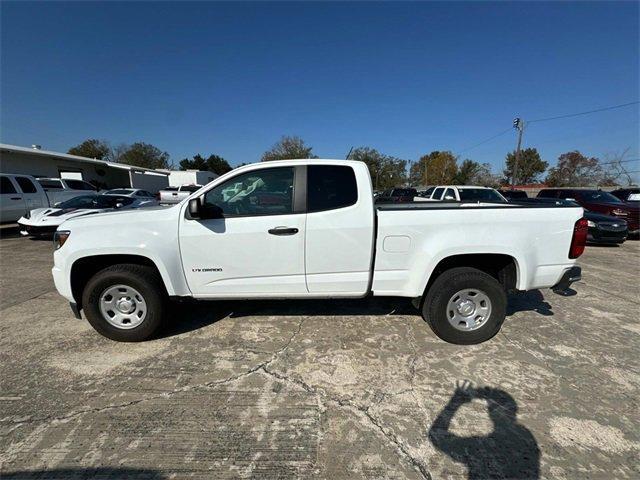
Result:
pixel 92 148
pixel 474 173
pixel 386 171
pixel 213 163
pixel 575 170
pixel 145 155
pixel 530 166
pixel 467 172
pixel 435 168
pixel 288 148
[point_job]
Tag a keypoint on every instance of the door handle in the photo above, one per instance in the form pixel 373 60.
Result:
pixel 16 198
pixel 283 231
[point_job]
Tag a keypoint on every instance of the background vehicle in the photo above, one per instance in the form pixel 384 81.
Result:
pixel 309 229
pixel 464 193
pixel 397 195
pixel 144 197
pixel 513 194
pixel 599 202
pixel 61 189
pixel 170 195
pixel 627 194
pixel 22 193
pixel 46 220
pixel 604 229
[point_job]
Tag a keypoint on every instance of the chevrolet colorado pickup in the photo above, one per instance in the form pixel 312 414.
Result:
pixel 310 229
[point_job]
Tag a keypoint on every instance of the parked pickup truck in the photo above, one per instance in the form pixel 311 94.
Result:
pixel 20 194
pixel 462 193
pixel 309 229
pixel 169 195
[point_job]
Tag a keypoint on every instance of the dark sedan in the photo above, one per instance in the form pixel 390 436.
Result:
pixel 397 195
pixel 598 201
pixel 606 228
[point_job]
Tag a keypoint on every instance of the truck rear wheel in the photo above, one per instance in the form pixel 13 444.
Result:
pixel 465 306
pixel 125 302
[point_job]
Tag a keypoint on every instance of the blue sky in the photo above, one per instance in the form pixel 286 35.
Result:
pixel 405 78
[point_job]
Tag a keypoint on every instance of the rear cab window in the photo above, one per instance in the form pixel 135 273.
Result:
pixel 330 187
pixel 50 184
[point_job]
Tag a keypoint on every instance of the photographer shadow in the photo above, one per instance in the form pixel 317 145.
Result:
pixel 509 451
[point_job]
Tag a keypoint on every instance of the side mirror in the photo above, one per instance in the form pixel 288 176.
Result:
pixel 203 212
pixel 57 204
pixel 194 208
pixel 119 205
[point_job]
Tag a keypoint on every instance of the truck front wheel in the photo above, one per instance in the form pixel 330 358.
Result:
pixel 465 306
pixel 125 302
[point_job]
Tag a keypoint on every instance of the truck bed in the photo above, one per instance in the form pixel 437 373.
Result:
pixel 413 238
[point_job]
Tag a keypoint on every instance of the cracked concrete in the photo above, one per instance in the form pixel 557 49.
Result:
pixel 322 389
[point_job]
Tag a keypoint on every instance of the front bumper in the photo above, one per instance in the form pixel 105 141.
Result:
pixel 572 275
pixel 28 228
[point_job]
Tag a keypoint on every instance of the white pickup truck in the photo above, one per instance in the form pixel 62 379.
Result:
pixel 20 194
pixel 309 229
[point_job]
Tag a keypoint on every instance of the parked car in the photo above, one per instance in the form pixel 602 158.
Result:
pixel 627 194
pixel 172 195
pixel 145 197
pixel 397 195
pixel 599 202
pixel 43 221
pixel 322 239
pixel 22 193
pixel 513 194
pixel 463 193
pixel 604 229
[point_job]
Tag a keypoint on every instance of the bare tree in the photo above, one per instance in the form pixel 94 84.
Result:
pixel 615 172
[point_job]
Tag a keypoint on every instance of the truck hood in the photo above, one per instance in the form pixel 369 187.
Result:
pixel 122 217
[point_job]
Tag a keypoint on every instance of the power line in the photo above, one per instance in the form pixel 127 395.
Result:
pixel 583 113
pixel 485 141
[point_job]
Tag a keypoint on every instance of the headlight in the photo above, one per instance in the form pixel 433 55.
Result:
pixel 60 237
pixel 591 224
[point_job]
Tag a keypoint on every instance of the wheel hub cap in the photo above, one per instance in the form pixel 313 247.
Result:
pixel 125 305
pixel 466 307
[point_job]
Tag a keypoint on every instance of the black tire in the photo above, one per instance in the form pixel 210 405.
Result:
pixel 142 278
pixel 434 308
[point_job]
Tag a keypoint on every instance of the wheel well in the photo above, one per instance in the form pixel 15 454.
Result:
pixel 85 268
pixel 502 267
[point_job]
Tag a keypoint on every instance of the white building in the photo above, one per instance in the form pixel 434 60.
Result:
pixel 44 163
pixel 178 178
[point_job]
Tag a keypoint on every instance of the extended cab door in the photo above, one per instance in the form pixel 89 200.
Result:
pixel 339 230
pixel 257 248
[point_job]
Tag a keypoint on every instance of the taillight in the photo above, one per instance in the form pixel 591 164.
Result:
pixel 579 239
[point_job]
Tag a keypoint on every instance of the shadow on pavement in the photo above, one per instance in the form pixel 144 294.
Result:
pixel 189 315
pixel 509 451
pixel 102 473
pixel 531 301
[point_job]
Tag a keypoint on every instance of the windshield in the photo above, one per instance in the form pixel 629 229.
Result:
pixel 119 191
pixel 95 201
pixel 596 196
pixel 404 192
pixel 479 195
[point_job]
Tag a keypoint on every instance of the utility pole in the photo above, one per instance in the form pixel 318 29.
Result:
pixel 518 124
pixel 426 181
